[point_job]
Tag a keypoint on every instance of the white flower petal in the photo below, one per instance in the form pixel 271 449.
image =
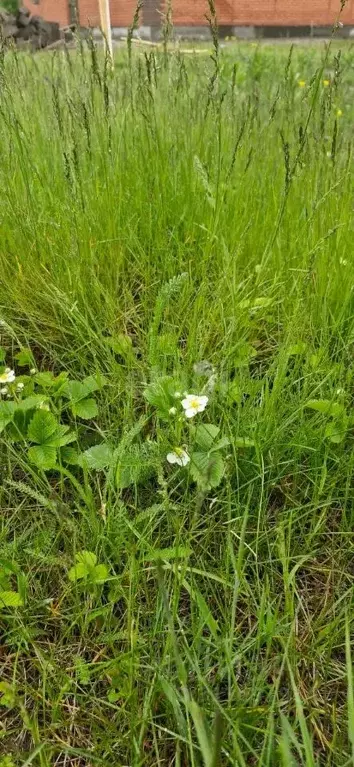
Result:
pixel 191 412
pixel 195 403
pixel 8 376
pixel 179 456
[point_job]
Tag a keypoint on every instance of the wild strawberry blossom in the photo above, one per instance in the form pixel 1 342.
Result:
pixel 193 404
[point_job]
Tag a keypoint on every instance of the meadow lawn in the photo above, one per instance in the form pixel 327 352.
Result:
pixel 179 224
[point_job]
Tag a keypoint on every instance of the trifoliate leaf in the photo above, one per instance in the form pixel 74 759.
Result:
pixel 77 572
pixel 45 379
pixel 79 390
pixel 88 558
pixel 43 456
pixel 24 358
pixel 160 394
pixel 42 426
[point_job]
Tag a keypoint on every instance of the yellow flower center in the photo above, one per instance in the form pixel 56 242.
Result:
pixel 194 403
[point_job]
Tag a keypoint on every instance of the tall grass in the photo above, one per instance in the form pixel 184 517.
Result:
pixel 202 207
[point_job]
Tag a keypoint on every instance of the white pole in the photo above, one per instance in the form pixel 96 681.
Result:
pixel 105 18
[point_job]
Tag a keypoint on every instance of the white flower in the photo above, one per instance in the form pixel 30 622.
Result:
pixel 20 386
pixel 4 390
pixel 172 411
pixel 194 404
pixel 8 376
pixel 178 456
pixel 33 371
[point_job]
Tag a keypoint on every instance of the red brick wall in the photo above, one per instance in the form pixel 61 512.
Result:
pixel 263 12
pixel 51 10
pixel 192 12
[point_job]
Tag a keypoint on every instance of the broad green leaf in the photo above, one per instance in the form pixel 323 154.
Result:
pixel 160 394
pixel 122 344
pixel 43 456
pixel 24 358
pixel 297 349
pixel 326 406
pixel 79 390
pixel 7 410
pixel 97 457
pixel 205 435
pixel 336 430
pixel 32 402
pixel 243 442
pixel 100 573
pixel 45 379
pixel 199 467
pixel 87 558
pixel 62 436
pixel 207 470
pixel 8 695
pixel 220 444
pixel 244 353
pixel 77 572
pixel 75 390
pixel 69 455
pixel 216 470
pixel 10 599
pixel 42 426
pixel 94 383
pixel 85 408
pixel 175 552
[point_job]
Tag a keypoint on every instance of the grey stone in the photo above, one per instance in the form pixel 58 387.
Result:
pixel 23 18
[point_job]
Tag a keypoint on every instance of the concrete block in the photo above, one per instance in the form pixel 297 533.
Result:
pixel 244 33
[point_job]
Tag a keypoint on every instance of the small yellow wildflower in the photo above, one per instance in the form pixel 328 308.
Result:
pixel 339 113
pixel 302 83
pixel 326 83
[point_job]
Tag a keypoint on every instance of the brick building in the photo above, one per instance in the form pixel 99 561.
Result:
pixel 233 15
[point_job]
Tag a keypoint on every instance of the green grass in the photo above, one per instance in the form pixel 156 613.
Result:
pixel 176 210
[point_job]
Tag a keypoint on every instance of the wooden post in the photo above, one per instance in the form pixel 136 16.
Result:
pixel 105 19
